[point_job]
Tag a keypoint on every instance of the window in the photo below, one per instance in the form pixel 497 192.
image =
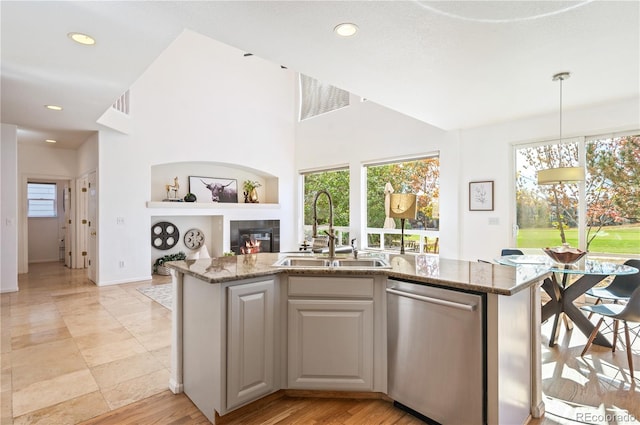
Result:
pixel 601 217
pixel 419 176
pixel 336 182
pixel 318 98
pixel 41 200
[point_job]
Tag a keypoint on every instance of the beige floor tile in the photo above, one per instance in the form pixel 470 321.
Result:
pixel 127 307
pixel 21 341
pixel 53 391
pixel 137 389
pixel 163 355
pixel 110 374
pixel 102 337
pixel 110 352
pixel 68 412
pixel 31 328
pixel 86 324
pixel 34 314
pixel 44 361
pixel 6 410
pixel 147 323
pixel 5 372
pixel 154 340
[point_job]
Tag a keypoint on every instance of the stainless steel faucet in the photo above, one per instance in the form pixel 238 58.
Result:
pixel 332 237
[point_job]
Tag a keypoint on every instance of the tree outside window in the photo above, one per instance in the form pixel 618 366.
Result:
pixel 611 196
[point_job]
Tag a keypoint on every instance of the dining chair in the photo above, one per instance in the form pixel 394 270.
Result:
pixel 629 312
pixel 510 251
pixel 620 288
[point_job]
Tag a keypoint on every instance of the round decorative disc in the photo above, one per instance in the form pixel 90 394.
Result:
pixel 164 235
pixel 193 238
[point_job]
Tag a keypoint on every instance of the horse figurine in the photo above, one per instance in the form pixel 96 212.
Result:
pixel 173 188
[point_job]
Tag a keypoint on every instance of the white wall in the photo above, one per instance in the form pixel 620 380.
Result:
pixel 199 101
pixel 87 155
pixel 9 209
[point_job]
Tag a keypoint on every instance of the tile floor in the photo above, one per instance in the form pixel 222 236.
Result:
pixel 71 350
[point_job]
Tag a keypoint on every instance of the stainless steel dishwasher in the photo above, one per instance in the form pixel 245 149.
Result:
pixel 436 352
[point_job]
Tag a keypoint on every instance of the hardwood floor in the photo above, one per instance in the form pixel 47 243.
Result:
pixel 73 353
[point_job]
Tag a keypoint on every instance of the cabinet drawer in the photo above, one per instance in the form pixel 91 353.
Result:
pixel 314 286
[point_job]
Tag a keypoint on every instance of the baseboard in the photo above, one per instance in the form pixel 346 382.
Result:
pixel 360 395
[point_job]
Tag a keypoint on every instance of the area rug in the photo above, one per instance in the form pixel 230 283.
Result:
pixel 162 294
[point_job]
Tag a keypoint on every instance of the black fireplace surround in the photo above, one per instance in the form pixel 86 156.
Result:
pixel 268 231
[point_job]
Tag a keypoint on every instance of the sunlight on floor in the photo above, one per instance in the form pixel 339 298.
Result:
pixel 594 389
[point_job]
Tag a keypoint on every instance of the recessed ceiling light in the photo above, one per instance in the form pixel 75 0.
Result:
pixel 51 141
pixel 346 29
pixel 53 107
pixel 82 38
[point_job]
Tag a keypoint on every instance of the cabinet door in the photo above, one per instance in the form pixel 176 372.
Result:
pixel 250 342
pixel 330 344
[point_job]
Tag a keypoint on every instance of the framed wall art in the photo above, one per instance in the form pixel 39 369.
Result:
pixel 481 196
pixel 214 189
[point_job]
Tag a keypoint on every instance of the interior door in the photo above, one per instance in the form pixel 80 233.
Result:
pixel 67 227
pixel 82 220
pixel 92 241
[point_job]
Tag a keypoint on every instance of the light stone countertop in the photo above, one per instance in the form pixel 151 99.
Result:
pixel 428 269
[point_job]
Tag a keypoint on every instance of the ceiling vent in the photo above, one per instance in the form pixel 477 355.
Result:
pixel 122 104
pixel 318 98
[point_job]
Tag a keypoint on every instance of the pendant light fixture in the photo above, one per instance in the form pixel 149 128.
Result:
pixel 554 176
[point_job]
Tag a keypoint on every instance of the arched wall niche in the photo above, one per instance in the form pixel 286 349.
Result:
pixel 164 174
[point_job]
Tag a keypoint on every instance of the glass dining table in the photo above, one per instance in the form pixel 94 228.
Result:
pixel 563 293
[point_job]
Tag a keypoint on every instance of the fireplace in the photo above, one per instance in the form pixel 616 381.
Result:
pixel 253 236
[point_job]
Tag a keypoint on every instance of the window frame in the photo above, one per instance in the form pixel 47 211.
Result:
pixel 428 238
pixel 582 205
pixel 53 201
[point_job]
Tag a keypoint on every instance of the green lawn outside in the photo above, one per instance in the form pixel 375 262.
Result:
pixel 612 239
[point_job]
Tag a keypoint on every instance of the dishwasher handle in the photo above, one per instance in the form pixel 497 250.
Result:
pixel 453 304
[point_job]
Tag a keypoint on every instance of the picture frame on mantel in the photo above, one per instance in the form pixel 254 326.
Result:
pixel 214 189
pixel 481 196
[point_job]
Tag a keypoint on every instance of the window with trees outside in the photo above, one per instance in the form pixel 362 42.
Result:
pixel 601 215
pixel 336 182
pixel 419 176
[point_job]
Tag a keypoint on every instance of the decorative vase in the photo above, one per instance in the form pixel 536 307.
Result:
pixel 253 196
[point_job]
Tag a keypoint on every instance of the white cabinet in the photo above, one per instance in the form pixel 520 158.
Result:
pixel 250 341
pixel 227 334
pixel 330 333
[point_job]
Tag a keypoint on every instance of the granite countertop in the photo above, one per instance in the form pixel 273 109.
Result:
pixel 429 269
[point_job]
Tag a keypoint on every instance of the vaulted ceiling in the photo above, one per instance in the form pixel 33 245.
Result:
pixel 453 64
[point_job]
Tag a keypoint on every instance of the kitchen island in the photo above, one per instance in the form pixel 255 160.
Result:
pixel 243 329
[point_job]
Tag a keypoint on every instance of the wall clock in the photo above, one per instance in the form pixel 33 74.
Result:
pixel 164 235
pixel 193 238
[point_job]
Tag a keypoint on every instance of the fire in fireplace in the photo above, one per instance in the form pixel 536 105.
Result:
pixel 255 240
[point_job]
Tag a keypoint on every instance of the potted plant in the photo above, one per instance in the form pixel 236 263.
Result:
pixel 159 267
pixel 250 192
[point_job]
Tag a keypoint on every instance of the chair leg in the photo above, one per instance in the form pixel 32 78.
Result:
pixel 616 325
pixel 629 354
pixel 592 336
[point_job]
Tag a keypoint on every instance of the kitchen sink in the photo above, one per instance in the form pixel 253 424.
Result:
pixel 302 262
pixel 314 262
pixel 365 263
